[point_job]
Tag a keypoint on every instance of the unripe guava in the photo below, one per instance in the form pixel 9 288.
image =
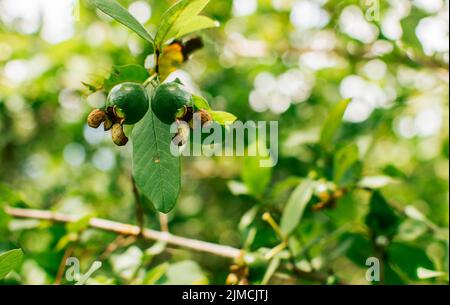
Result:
pixel 170 102
pixel 129 101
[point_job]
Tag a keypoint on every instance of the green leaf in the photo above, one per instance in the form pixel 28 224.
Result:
pixel 198 23
pixel 181 19
pixel 347 168
pixel 81 224
pixel 223 118
pixel 382 219
pixel 255 177
pixel 200 102
pixel 154 275
pixel 65 240
pixel 333 122
pixel 294 209
pixel 120 14
pixel 127 73
pixel 284 186
pixel 409 259
pixel 248 218
pixel 155 170
pixel 9 260
pixel 271 269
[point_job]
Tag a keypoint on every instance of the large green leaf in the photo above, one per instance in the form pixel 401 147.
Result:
pixel 333 122
pixel 155 170
pixel 293 212
pixel 181 19
pixel 119 13
pixel 9 260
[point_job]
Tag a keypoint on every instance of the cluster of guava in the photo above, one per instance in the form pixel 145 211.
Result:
pixel 127 103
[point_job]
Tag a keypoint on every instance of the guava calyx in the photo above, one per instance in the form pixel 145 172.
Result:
pixel 118 136
pixel 96 118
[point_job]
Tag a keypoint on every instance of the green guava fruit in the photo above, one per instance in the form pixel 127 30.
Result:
pixel 130 100
pixel 171 101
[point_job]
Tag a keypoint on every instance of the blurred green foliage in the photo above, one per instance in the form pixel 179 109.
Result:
pixel 379 180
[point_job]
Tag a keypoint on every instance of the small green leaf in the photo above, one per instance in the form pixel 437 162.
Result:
pixel 9 260
pixel 154 275
pixel 248 218
pixel 333 122
pixel 347 168
pixel 120 14
pixel 79 225
pixel 273 266
pixel 181 19
pixel 200 102
pixel 223 118
pixel 284 186
pixel 127 73
pixel 155 170
pixel 294 209
pixel 65 240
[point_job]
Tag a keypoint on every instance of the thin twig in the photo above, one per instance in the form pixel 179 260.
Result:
pixel 119 242
pixel 130 230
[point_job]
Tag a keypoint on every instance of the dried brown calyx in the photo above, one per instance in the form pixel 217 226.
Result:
pixel 113 120
pixel 118 136
pixel 201 116
pixel 96 118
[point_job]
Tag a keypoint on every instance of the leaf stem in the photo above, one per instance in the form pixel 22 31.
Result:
pixel 150 80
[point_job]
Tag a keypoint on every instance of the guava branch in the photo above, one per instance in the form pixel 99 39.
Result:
pixel 130 230
pixel 125 229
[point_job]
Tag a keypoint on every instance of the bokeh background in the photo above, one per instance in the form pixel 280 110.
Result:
pixel 284 60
